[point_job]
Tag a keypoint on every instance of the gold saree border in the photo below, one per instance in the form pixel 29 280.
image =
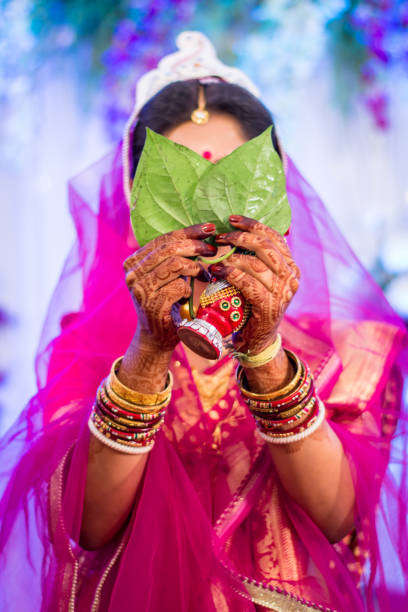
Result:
pixel 71 567
pixel 270 597
pixel 276 600
pixel 248 483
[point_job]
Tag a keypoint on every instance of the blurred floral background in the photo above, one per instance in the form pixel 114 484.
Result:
pixel 334 73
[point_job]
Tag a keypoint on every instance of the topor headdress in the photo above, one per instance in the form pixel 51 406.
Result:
pixel 196 59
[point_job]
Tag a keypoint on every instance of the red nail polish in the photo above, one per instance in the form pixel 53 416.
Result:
pixel 235 218
pixel 208 228
pixel 208 249
pixel 216 268
pixel 220 236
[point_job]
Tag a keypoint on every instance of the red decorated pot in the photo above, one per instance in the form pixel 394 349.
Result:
pixel 222 311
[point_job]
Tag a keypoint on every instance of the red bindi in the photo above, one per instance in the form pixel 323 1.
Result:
pixel 207 155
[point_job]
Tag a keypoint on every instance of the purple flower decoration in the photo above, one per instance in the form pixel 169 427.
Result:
pixel 378 104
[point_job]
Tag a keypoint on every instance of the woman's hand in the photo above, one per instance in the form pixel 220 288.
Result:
pixel 156 277
pixel 268 280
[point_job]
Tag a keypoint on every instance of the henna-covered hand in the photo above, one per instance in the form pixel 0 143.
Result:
pixel 268 280
pixel 156 277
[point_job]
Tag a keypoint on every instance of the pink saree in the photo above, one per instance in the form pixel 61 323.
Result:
pixel 212 528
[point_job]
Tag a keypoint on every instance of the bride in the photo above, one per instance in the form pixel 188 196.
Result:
pixel 162 480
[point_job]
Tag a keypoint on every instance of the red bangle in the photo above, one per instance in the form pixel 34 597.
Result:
pixel 285 402
pixel 136 424
pixel 311 417
pixel 273 424
pixel 284 414
pixel 126 434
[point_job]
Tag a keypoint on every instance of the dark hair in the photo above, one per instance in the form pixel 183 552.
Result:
pixel 174 104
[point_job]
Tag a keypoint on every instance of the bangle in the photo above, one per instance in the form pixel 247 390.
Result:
pixel 283 414
pixel 122 447
pixel 119 431
pixel 132 426
pixel 273 394
pixel 112 398
pixel 286 433
pixel 129 423
pixel 293 398
pixel 255 361
pixel 296 437
pixel 108 433
pixel 119 422
pixel 117 411
pixel 135 397
pixel 276 424
pixel 269 410
pixel 146 408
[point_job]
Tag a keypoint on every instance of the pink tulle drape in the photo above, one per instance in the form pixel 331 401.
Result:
pixel 212 528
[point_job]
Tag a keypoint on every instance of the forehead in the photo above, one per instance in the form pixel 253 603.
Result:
pixel 221 135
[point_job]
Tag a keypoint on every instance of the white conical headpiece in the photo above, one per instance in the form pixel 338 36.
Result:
pixel 196 59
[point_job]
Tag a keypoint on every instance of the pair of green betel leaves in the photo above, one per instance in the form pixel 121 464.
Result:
pixel 174 187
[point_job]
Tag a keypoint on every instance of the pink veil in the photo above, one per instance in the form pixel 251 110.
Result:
pixel 212 528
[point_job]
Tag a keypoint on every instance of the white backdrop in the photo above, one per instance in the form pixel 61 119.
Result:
pixel 360 172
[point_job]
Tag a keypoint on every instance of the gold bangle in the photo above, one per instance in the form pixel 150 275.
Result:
pixel 255 361
pixel 262 414
pixel 253 405
pixel 135 397
pixel 278 415
pixel 107 394
pixel 109 423
pixel 128 423
pixel 280 392
pixel 302 427
pixel 122 403
pixel 303 411
pixel 134 414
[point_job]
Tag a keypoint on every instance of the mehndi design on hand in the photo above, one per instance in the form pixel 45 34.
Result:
pixel 268 280
pixel 156 277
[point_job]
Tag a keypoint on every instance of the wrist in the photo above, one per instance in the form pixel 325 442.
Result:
pixel 145 365
pixel 145 342
pixel 272 376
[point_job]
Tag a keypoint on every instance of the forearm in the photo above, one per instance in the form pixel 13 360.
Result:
pixel 314 471
pixel 113 478
pixel 316 474
pixel 156 277
pixel 112 481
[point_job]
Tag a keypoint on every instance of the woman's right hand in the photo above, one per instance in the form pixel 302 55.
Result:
pixel 156 277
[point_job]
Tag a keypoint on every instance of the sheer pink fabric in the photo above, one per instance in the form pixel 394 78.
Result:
pixel 212 528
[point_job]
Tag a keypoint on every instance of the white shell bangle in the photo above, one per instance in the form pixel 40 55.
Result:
pixel 122 448
pixel 301 435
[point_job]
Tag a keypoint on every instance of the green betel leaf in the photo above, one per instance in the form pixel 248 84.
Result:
pixel 165 180
pixel 175 187
pixel 250 181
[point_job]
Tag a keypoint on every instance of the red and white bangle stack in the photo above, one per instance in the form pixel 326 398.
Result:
pixel 289 414
pixel 126 420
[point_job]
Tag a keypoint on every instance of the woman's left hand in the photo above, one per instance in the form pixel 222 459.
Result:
pixel 268 280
